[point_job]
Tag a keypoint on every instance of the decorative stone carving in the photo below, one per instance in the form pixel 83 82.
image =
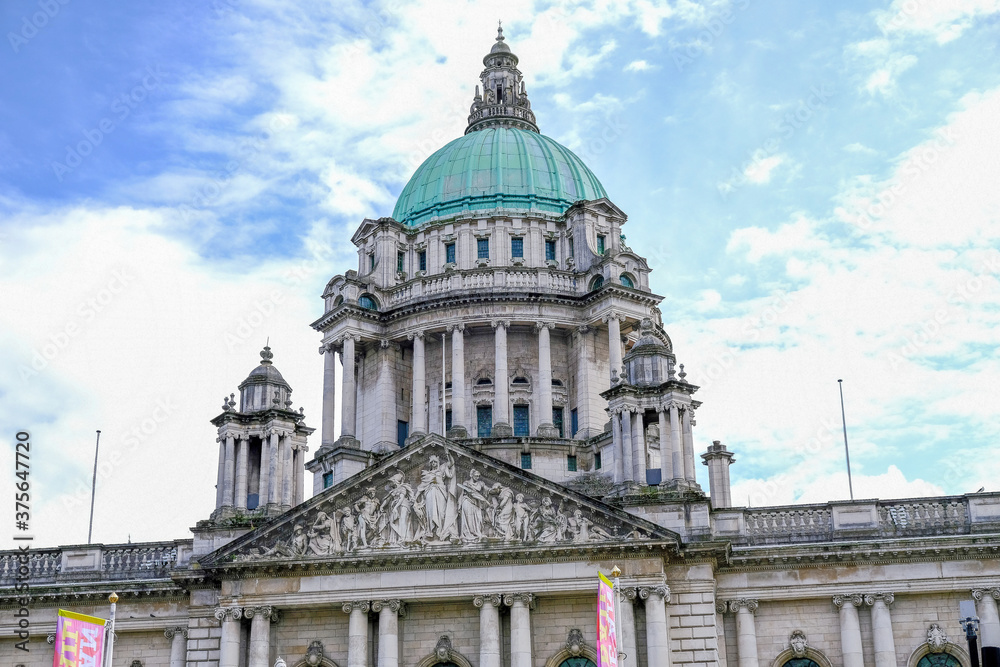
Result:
pixel 798 644
pixel 228 613
pixel 170 632
pixel 575 643
pixel 437 502
pixel 664 593
pixel 314 654
pixel 720 607
pixel 267 611
pixel 747 603
pixel 363 605
pixel 394 605
pixel 50 639
pixel 494 599
pixel 855 599
pixel 888 598
pixel 280 662
pixel 136 663
pixel 527 598
pixel 443 649
pixel 937 640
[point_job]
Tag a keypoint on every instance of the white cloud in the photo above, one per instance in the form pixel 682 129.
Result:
pixel 857 147
pixel 943 20
pixel 759 172
pixel 883 80
pixel 637 66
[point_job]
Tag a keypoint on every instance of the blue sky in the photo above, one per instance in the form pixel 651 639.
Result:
pixel 814 184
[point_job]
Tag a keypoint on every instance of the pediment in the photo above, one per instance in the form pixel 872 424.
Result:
pixel 439 499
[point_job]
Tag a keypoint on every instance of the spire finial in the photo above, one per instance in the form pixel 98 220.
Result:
pixel 499 31
pixel 266 355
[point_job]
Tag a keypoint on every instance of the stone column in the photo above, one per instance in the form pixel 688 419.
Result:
pixel 229 481
pixel 614 344
pixel 260 636
pixel 720 632
pixel 489 629
pixel 746 631
pixel 688 446
pixel 582 383
pixel 265 469
pixel 638 447
pixel 229 645
pixel 989 620
pixel 357 633
pixel 242 470
pixel 287 471
pixel 616 440
pixel 545 427
pixel 388 631
pixel 178 646
pixel 298 479
pixel 850 629
pixel 349 392
pixel 274 469
pixel 458 377
pixel 220 483
pixel 626 450
pixel 501 381
pixel 520 628
pixel 666 451
pixel 329 432
pixel 675 442
pixel 885 645
pixel 626 609
pixel 418 412
pixel 657 627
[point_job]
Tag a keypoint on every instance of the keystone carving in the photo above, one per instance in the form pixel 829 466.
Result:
pixel 575 643
pixel 797 642
pixel 314 654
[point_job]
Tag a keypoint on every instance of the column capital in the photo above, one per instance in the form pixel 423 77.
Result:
pixel 885 596
pixel 414 335
pixel 663 592
pixel 265 611
pixel 630 593
pixel 348 336
pixel 721 607
pixel 328 348
pixel 351 605
pixel 228 613
pixel 544 325
pixel 607 317
pixel 494 599
pixel 395 605
pixel 852 599
pixel 527 598
pixel 460 327
pixel 979 593
pixel 169 633
pixel 500 323
pixel 750 604
pixel 583 329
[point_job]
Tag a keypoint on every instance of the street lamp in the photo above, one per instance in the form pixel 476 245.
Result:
pixel 970 623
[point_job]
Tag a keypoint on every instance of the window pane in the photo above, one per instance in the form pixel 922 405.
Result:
pixel 557 420
pixel 483 248
pixel 449 251
pixel 402 431
pixel 550 250
pixel 447 420
pixel 522 426
pixel 399 262
pixel 574 425
pixel 597 461
pixel 571 463
pixel 517 247
pixel 423 260
pixel 484 421
pixel 600 245
pixel 525 461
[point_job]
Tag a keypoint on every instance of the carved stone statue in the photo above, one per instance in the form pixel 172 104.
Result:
pixel 396 509
pixel 324 536
pixel 472 507
pixel 551 522
pixel 522 519
pixel 368 517
pixel 437 496
pixel 502 518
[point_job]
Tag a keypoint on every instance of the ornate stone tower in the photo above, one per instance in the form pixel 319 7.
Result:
pixel 262 446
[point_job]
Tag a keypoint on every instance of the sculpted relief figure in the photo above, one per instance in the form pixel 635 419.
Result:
pixel 436 496
pixel 439 510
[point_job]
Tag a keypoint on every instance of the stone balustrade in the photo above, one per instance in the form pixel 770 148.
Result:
pixel 147 560
pixel 480 279
pixel 949 515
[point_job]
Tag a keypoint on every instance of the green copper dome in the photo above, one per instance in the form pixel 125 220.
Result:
pixel 496 167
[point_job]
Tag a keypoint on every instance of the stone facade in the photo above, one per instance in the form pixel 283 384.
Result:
pixel 437 536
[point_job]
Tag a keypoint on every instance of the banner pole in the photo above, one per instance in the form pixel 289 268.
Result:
pixel 113 599
pixel 615 572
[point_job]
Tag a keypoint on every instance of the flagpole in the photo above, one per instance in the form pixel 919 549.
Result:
pixel 615 572
pixel 847 452
pixel 113 599
pixel 93 487
pixel 444 400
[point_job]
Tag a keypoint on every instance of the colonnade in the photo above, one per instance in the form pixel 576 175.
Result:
pixel 462 415
pixel 520 604
pixel 676 442
pixel 282 469
pixel 850 628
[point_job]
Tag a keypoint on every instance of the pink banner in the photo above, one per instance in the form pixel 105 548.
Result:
pixel 79 640
pixel 607 638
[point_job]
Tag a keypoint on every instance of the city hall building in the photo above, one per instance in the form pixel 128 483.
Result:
pixel 513 420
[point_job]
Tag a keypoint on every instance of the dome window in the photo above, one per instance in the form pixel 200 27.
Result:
pixel 484 381
pixel 627 281
pixel 367 302
pixel 597 283
pixel 520 380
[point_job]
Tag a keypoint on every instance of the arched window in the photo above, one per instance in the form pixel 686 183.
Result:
pixel 557 383
pixel 520 380
pixel 368 302
pixel 626 280
pixel 597 283
pixel 482 381
pixel 339 300
pixel 800 662
pixel 939 660
pixel 577 662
